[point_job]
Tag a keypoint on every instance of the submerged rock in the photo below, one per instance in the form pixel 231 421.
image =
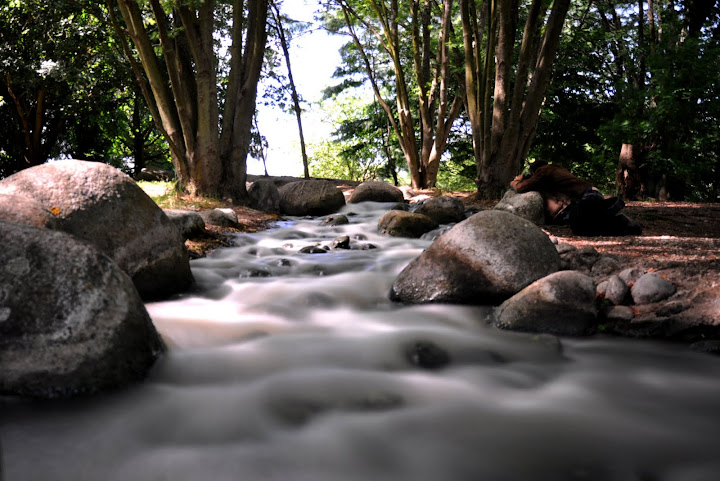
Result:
pixel 71 321
pixel 427 355
pixel 482 260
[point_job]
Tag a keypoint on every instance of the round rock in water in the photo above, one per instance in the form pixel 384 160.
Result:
pixel 398 223
pixel 443 210
pixel 562 303
pixel 98 204
pixel 71 321
pixel 310 197
pixel 482 260
pixel 376 191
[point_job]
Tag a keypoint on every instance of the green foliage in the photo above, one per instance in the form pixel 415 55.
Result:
pixel 362 147
pixel 600 99
pixel 59 64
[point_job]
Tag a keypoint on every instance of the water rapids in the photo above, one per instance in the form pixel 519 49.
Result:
pixel 296 367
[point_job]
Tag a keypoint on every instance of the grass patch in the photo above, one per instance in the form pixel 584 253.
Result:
pixel 166 195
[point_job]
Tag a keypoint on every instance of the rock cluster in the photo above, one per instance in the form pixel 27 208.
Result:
pixel 502 257
pixel 100 205
pixel 82 246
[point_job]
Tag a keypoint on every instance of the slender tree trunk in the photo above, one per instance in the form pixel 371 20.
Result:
pixel 435 114
pixel 32 122
pixel 295 96
pixel 246 74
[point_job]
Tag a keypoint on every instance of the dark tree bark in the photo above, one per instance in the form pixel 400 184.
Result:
pixel 503 124
pixel 181 90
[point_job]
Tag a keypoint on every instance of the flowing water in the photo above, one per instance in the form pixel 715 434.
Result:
pixel 296 367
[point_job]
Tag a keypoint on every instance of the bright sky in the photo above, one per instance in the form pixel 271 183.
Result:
pixel 313 59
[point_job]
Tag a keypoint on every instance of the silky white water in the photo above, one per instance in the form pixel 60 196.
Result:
pixel 296 367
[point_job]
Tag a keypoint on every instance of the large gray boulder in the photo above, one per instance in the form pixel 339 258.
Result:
pixel 398 223
pixel 310 197
pixel 376 191
pixel 100 205
pixel 484 259
pixel 562 303
pixel 24 210
pixel 71 321
pixel 529 205
pixel 443 210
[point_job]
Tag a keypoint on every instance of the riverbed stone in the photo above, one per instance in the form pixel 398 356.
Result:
pixel 651 288
pixel 562 303
pixel 71 321
pixel 220 217
pixel 399 223
pixel 334 220
pixel 310 197
pixel 188 222
pixel 376 191
pixel 484 259
pixel 529 205
pixel 100 205
pixel 443 210
pixel 616 291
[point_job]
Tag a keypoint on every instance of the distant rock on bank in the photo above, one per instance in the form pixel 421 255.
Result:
pixel 376 191
pixel 310 197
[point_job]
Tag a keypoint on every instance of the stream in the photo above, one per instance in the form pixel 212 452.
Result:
pixel 290 366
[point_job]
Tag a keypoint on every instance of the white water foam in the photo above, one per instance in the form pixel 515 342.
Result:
pixel 294 367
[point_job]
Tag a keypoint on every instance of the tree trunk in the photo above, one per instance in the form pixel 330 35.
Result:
pixel 501 141
pixel 295 96
pixel 235 141
pixel 422 154
pixel 629 176
pixel 183 96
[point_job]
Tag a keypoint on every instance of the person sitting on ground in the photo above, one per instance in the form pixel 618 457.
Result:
pixel 575 202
